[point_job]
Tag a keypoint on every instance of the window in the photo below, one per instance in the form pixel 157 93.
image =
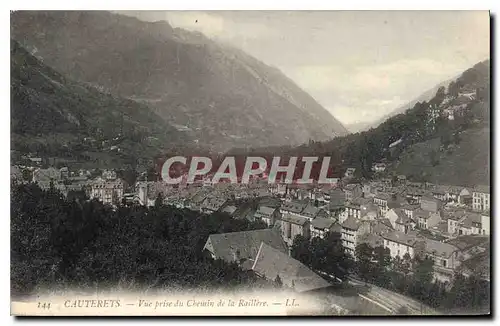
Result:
pixel 443 262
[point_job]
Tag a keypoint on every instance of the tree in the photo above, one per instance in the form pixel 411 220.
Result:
pixel 365 266
pixel 300 250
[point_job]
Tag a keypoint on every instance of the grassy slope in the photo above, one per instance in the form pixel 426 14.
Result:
pixel 467 164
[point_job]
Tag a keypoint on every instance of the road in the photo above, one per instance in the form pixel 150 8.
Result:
pixel 379 300
pixel 393 301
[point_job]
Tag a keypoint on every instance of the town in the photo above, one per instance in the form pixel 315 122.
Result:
pixel 448 224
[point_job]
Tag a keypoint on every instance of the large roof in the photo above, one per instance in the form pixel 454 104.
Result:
pixel 401 237
pixel 294 219
pixel 243 245
pixel 351 223
pixel 293 206
pixel 322 223
pixel 438 248
pixel 270 263
pixel 482 188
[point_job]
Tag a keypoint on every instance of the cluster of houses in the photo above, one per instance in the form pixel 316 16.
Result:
pixel 449 224
pixel 407 218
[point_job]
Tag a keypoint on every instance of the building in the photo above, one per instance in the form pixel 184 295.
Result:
pixel 321 226
pixel 409 209
pixel 212 204
pixel 352 190
pixel 109 175
pixel 267 214
pixel 310 211
pixel 352 229
pixel 445 257
pixel 108 192
pixel 271 263
pixel 481 198
pixel 414 195
pixel 454 218
pixel 46 175
pixel 399 220
pixel 400 243
pixel 381 200
pixel 465 197
pixel 293 207
pixel 430 204
pixel 485 224
pixel 426 219
pixel 242 247
pixel 292 226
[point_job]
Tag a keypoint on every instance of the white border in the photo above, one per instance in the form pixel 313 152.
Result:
pixel 198 5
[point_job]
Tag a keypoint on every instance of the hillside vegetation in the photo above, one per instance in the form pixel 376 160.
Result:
pixel 52 115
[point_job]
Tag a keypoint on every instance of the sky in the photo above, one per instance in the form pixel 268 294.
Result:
pixel 359 65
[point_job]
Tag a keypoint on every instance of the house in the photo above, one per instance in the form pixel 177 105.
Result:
pixel 321 226
pixel 271 263
pixel 212 204
pixel 310 211
pixel 465 197
pixel 472 252
pixel 414 195
pixel 108 175
pixel 430 204
pixel 352 229
pixel 381 200
pixel 409 209
pixel 293 207
pixel 477 265
pixel 371 239
pixel 46 175
pixel 399 220
pixel 293 225
pixel 445 257
pixel 242 247
pixel 337 200
pixel 426 219
pixel 352 190
pixel 108 192
pixel 485 224
pixel 267 214
pixel 471 224
pixel 380 226
pixel 481 198
pixel 400 243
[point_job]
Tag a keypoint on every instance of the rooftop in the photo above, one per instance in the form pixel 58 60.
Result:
pixel 294 219
pixel 270 263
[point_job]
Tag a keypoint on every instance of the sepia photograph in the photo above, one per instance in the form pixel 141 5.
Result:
pixel 250 163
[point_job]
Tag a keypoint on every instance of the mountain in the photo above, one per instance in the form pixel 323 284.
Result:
pixel 425 96
pixel 443 140
pixel 53 115
pixel 219 95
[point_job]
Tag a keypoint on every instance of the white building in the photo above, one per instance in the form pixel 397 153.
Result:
pixel 485 224
pixel 400 244
pixel 108 192
pixel 481 198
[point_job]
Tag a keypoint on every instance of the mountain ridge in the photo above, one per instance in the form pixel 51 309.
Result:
pixel 223 96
